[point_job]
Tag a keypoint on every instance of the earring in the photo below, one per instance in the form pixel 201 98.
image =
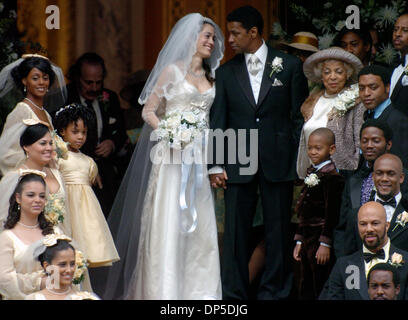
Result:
pixel 25 89
pixel 18 207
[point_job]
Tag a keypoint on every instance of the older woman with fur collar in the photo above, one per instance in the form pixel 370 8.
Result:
pixel 336 106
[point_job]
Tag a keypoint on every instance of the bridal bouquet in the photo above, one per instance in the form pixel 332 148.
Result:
pixel 179 129
pixel 346 100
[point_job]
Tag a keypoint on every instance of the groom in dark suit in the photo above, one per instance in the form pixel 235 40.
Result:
pixel 348 279
pixel 261 89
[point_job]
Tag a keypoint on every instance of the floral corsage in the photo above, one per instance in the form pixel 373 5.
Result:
pixel 312 180
pixel 396 260
pixel 54 210
pixel 345 100
pixel 276 65
pixel 402 219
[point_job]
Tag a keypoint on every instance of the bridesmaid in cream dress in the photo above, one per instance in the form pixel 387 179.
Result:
pixel 56 253
pixel 20 274
pixel 34 75
pixel 37 144
pixel 89 227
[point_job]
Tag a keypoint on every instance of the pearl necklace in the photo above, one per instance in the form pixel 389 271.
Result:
pixel 59 293
pixel 26 226
pixel 195 75
pixel 35 105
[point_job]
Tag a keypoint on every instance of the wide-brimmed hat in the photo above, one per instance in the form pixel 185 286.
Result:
pixel 306 41
pixel 332 53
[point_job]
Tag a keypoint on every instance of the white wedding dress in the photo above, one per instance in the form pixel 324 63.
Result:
pixel 171 263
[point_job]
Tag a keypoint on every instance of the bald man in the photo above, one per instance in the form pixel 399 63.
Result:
pixel 348 279
pixel 388 175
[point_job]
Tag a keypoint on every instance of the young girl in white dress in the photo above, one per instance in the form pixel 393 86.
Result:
pixel 88 224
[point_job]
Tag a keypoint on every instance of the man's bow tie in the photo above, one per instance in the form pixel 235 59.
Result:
pixel 310 170
pixel 392 202
pixel 380 254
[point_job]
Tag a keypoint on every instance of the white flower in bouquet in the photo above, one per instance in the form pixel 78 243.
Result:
pixel 180 129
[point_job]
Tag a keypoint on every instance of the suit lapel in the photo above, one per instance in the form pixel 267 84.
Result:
pixel 266 81
pixel 355 190
pixel 397 87
pixel 242 76
pixel 358 260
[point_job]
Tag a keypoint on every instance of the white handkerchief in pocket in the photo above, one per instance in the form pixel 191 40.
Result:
pixel 277 83
pixel 112 120
pixel 404 81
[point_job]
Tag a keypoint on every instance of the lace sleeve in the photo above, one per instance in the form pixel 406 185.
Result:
pixel 159 95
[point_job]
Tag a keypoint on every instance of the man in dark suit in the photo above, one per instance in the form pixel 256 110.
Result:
pixel 374 87
pixel 261 89
pixel 388 176
pixel 347 280
pixel 375 140
pixel 399 79
pixel 107 135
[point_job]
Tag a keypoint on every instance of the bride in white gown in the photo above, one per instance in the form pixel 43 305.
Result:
pixel 169 247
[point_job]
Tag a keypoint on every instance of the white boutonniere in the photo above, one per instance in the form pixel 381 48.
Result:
pixel 396 260
pixel 406 70
pixel 346 100
pixel 276 66
pixel 402 219
pixel 312 180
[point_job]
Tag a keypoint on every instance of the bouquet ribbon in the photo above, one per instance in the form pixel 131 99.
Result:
pixel 195 171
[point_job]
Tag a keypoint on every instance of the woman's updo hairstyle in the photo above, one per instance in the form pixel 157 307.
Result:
pixel 24 68
pixel 50 252
pixel 32 134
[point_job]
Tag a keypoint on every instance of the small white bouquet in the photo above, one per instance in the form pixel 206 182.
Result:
pixel 179 129
pixel 346 100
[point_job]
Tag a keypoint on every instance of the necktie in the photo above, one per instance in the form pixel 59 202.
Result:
pixel 380 254
pixel 367 186
pixel 402 60
pixel 368 114
pixel 254 65
pixel 392 202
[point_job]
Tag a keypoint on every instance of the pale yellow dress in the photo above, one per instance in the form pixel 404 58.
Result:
pixel 9 182
pixel 88 224
pixel 20 274
pixel 11 153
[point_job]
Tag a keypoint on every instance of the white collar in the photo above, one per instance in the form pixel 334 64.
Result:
pixel 397 197
pixel 261 53
pixel 321 165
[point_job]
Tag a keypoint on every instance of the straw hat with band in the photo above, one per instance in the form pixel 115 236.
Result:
pixel 332 53
pixel 306 41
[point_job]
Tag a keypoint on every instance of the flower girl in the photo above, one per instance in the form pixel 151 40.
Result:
pixel 89 227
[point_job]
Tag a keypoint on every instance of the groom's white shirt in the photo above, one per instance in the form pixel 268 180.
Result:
pixel 256 81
